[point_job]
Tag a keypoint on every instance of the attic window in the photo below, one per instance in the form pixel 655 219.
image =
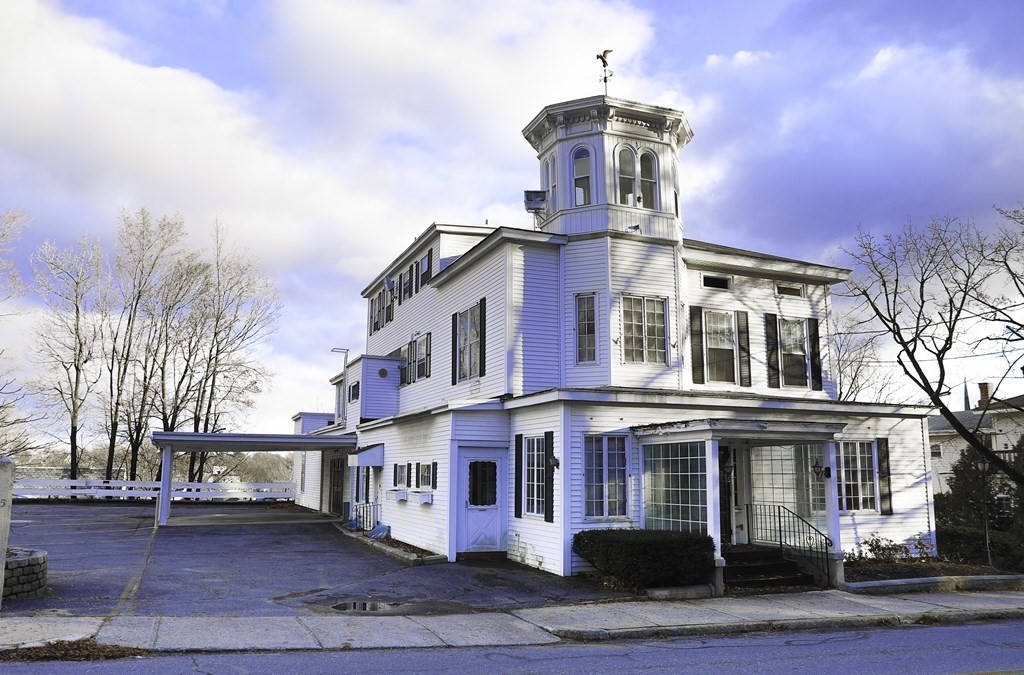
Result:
pixel 721 283
pixel 792 290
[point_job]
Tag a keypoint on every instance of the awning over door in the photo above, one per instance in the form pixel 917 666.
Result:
pixel 371 455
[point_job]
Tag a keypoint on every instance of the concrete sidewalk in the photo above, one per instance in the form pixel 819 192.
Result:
pixel 544 625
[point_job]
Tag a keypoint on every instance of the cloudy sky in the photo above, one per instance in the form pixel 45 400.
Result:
pixel 326 134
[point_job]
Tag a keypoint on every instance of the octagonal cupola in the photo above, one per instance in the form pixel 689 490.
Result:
pixel 608 164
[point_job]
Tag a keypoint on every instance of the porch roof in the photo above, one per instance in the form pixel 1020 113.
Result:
pixel 371 455
pixel 184 441
pixel 743 429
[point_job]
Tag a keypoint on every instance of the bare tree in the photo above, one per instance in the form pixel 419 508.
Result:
pixel 144 250
pixel 14 421
pixel 929 288
pixel 68 281
pixel 240 311
pixel 858 368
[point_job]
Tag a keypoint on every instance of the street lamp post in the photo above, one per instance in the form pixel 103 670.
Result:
pixel 982 465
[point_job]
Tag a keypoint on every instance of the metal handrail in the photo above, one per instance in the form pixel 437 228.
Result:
pixel 366 515
pixel 776 524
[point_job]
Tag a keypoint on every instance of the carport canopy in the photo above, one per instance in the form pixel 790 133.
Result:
pixel 170 442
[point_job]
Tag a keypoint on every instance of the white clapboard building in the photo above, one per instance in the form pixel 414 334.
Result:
pixel 603 371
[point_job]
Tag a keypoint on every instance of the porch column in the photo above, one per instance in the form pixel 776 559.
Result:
pixel 832 511
pixel 163 500
pixel 714 496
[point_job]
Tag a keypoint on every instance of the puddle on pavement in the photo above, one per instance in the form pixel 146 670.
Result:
pixel 367 606
pixel 395 606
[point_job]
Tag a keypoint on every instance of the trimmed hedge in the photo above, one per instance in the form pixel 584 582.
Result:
pixel 648 558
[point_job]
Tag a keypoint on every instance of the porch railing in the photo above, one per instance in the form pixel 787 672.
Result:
pixel 778 526
pixel 366 516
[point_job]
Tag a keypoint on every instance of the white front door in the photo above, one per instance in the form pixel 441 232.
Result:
pixel 483 485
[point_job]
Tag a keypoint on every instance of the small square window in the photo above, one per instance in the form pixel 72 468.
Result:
pixel 792 290
pixel 720 283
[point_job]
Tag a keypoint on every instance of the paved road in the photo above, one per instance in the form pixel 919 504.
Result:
pixel 251 560
pixel 936 649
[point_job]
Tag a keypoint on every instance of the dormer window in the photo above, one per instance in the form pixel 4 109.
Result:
pixel 581 176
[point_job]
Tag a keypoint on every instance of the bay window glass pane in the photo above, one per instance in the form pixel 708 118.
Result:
pixel 648 182
pixel 655 331
pixel 633 329
pixel 586 338
pixel 581 176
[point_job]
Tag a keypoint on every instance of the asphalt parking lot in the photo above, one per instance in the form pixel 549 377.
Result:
pixel 106 559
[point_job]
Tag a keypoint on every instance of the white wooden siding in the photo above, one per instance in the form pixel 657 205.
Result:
pixel 757 297
pixel 587 271
pixel 909 477
pixel 424 441
pixel 647 269
pixel 310 497
pixel 531 540
pixel 378 391
pixel 533 325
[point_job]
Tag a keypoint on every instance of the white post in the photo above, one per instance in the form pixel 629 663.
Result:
pixel 163 503
pixel 6 501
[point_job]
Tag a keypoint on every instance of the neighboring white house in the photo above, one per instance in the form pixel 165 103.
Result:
pixel 602 371
pixel 999 422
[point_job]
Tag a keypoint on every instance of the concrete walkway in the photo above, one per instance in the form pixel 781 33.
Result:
pixel 543 625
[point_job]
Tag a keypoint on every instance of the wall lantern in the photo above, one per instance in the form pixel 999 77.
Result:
pixel 820 471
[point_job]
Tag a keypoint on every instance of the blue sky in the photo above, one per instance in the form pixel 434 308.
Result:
pixel 326 134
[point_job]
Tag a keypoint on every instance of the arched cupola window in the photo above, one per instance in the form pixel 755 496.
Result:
pixel 553 192
pixel 581 176
pixel 627 178
pixel 648 181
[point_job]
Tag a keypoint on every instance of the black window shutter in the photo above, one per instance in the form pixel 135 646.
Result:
pixel 408 474
pixel 433 475
pixel 549 477
pixel 400 288
pixel 743 336
pixel 771 341
pixel 483 334
pixel 884 482
pixel 366 490
pixel 697 343
pixel 455 348
pixel 394 482
pixel 519 476
pixel 430 265
pixel 812 338
pixel 416 274
pixel 417 474
pixel 427 374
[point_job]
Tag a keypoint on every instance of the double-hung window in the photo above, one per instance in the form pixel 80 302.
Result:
pixel 793 345
pixel 643 329
pixel 604 460
pixel 534 479
pixel 642 193
pixel 415 363
pixel 586 329
pixel 720 342
pixel 856 483
pixel 353 392
pixel 468 343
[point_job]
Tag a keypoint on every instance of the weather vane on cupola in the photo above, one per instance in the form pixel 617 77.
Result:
pixel 605 73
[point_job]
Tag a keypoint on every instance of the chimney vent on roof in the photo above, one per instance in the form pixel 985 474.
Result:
pixel 985 391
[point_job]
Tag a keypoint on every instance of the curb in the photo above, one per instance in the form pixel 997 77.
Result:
pixel 407 559
pixel 951 617
pixel 989 582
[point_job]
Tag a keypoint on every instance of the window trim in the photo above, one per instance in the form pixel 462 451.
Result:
pixel 665 326
pixel 724 277
pixel 592 326
pixel 801 290
pixel 461 321
pixel 353 391
pixel 841 478
pixel 604 515
pixel 653 181
pixel 735 347
pixel 588 195
pixel 534 485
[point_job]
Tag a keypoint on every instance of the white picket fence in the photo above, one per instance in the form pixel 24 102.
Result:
pixel 43 488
